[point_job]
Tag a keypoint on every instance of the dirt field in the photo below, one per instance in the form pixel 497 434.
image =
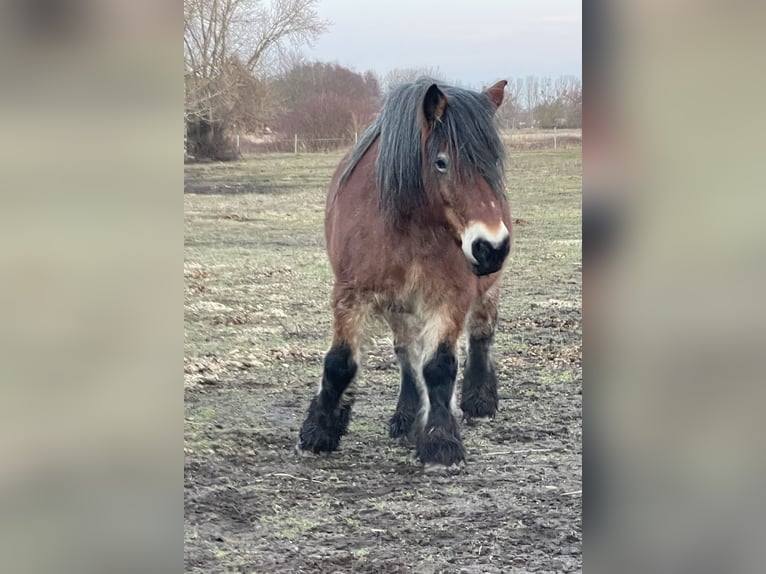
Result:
pixel 257 323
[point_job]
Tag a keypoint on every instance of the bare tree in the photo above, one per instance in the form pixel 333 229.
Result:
pixel 547 92
pixel 323 100
pixel 400 76
pixel 531 96
pixel 506 114
pixel 559 102
pixel 574 115
pixel 228 44
pixel 511 110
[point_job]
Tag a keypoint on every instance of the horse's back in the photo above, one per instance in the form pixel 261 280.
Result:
pixel 353 223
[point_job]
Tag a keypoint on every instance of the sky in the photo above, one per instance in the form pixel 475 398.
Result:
pixel 475 42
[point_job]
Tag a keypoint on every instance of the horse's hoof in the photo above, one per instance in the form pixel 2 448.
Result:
pixel 400 425
pixel 318 438
pixel 477 408
pixel 473 421
pixel 322 430
pixel 303 452
pixel 314 443
pixel 438 445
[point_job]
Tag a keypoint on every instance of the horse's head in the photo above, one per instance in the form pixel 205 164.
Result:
pixel 463 171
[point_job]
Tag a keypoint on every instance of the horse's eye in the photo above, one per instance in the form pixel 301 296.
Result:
pixel 441 164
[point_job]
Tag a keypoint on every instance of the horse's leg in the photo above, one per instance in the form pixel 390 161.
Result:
pixel 439 438
pixel 479 397
pixel 409 400
pixel 400 424
pixel 330 410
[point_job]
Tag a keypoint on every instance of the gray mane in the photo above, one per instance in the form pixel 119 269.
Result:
pixel 467 130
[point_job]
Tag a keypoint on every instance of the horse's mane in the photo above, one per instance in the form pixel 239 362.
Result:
pixel 467 131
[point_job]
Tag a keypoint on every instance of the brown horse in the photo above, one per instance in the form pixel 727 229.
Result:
pixel 418 229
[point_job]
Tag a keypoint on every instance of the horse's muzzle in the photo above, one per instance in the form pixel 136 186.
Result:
pixel 489 258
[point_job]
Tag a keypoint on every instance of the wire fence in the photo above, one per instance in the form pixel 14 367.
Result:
pixel 295 144
pixel 541 139
pixel 513 139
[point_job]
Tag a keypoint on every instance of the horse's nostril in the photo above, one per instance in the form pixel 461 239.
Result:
pixel 489 258
pixel 481 249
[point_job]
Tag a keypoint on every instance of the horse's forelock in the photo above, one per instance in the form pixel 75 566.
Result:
pixel 466 130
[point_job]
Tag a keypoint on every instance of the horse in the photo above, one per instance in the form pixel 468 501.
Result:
pixel 418 231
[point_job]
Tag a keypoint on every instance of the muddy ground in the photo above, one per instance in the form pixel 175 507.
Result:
pixel 257 323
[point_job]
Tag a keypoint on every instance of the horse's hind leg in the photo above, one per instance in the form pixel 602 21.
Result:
pixel 479 397
pixel 408 405
pixel 330 410
pixel 409 400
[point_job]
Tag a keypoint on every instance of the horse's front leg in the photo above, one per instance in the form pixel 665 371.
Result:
pixel 479 396
pixel 439 437
pixel 330 410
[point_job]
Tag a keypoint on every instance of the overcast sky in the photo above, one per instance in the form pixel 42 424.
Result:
pixel 472 41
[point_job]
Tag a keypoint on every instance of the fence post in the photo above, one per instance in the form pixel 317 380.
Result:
pixel 356 138
pixel 296 144
pixel 237 144
pixel 554 138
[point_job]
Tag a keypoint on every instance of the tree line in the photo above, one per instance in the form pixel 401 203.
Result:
pixel 244 74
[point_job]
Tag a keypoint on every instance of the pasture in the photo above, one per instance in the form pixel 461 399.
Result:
pixel 257 323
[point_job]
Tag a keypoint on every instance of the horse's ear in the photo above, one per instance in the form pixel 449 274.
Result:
pixel 434 103
pixel 496 92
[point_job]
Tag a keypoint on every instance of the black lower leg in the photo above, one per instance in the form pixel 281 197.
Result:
pixel 439 441
pixel 330 411
pixel 409 400
pixel 479 397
